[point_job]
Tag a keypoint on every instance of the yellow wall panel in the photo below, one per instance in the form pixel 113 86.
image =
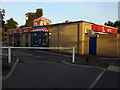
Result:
pixel 22 40
pixel 63 36
pixel 84 39
pixel 107 45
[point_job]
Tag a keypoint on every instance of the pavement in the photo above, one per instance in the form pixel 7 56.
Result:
pixel 45 70
pixel 114 68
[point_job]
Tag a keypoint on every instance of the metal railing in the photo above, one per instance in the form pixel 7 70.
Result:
pixel 9 50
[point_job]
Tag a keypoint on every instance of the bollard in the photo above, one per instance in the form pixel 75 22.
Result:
pixel 73 55
pixel 9 54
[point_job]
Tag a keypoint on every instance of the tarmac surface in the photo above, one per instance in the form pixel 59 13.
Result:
pixel 45 70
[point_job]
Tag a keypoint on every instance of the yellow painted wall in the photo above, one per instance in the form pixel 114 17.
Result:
pixel 29 39
pixel 22 40
pixel 64 36
pixel 13 41
pixel 108 45
pixel 84 38
pixel 53 38
pixel 8 40
pixel 86 45
pixel 67 36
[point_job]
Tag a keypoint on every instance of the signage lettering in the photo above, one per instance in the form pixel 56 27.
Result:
pixel 27 30
pixel 103 29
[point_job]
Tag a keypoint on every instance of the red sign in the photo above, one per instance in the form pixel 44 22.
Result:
pixel 28 30
pixel 96 28
pixel 9 32
pixel 103 29
pixel 13 31
pixel 110 30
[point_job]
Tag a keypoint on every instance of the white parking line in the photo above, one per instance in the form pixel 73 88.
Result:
pixel 96 80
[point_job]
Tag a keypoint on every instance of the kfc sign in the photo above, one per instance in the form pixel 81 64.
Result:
pixel 103 29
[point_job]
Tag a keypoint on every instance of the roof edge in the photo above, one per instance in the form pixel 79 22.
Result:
pixel 81 21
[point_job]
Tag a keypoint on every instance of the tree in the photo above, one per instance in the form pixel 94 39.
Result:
pixel 11 24
pixel 3 33
pixel 109 23
pixel 39 13
pixel 2 14
pixel 118 30
pixel 117 24
pixel 67 21
pixel 31 16
pixel 22 26
pixel 114 24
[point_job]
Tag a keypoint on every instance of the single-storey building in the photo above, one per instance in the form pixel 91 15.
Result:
pixel 86 37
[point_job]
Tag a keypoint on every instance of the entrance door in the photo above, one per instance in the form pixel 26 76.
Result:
pixel 40 39
pixel 36 41
pixel 92 46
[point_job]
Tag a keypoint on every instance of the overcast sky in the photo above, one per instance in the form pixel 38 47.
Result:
pixel 97 12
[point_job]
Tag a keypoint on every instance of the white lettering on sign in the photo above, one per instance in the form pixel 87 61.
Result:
pixel 109 30
pixel 20 31
pixel 14 31
pixel 25 30
pixel 103 29
pixel 10 32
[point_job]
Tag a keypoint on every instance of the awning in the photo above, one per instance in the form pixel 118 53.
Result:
pixel 44 29
pixel 28 30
